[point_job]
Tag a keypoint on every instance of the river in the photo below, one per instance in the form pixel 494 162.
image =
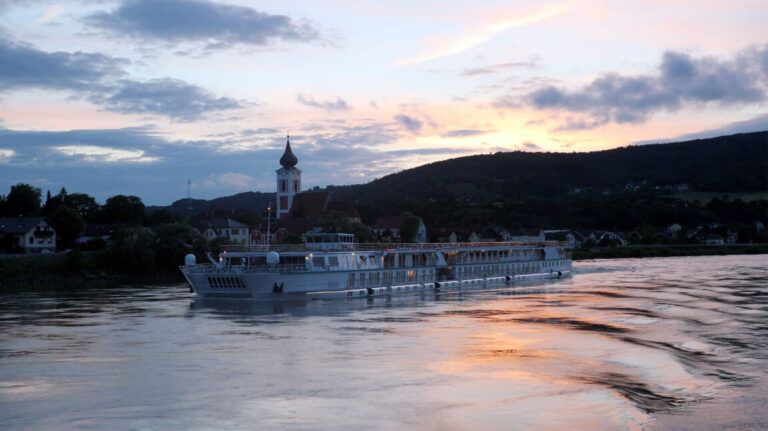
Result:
pixel 662 343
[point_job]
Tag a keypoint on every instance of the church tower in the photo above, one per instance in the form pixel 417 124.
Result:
pixel 288 180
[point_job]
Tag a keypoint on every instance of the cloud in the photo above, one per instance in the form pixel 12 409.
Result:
pixel 5 155
pixel 531 146
pixel 215 24
pixel 486 33
pixel 463 133
pixel 144 162
pixel 171 97
pixel 494 68
pixel 100 79
pixel 756 124
pixel 26 67
pixel 681 80
pixel 410 124
pixel 259 131
pixel 328 105
pixel 97 154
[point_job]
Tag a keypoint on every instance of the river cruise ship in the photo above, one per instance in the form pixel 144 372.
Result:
pixel 331 265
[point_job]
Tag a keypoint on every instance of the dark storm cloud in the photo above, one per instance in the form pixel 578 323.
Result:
pixel 329 105
pixel 410 124
pixel 174 98
pixel 681 80
pixel 23 66
pixel 218 25
pixel 100 79
pixel 463 133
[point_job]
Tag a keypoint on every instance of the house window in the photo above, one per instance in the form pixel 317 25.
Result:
pixel 234 232
pixel 31 240
pixel 295 185
pixel 282 186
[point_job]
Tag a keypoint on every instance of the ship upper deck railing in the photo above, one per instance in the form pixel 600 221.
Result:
pixel 387 247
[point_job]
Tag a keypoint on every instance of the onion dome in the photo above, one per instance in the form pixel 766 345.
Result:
pixel 288 160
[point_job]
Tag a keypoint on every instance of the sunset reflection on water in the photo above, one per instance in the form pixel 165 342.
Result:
pixel 624 344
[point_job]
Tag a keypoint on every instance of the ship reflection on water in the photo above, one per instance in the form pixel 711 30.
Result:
pixel 657 343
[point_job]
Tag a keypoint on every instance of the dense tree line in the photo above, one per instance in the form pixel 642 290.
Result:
pixel 141 242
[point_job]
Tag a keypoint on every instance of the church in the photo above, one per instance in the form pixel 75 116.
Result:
pixel 298 212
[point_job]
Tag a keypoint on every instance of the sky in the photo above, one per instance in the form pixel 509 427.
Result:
pixel 139 97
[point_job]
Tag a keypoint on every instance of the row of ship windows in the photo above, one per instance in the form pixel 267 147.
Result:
pixel 372 279
pixel 226 283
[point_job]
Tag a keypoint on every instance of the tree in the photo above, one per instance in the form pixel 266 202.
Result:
pixel 69 225
pixel 52 203
pixel 23 200
pixel 176 240
pixel 335 221
pixel 338 221
pixel 133 250
pixel 124 209
pixel 162 216
pixel 82 203
pixel 408 226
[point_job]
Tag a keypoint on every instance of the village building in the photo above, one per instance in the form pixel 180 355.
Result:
pixel 27 235
pixel 387 229
pixel 228 229
pixel 527 235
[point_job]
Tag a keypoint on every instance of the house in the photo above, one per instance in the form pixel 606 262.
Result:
pixel 612 239
pixel 388 229
pixel 27 235
pixel 227 229
pixel 263 236
pixel 674 228
pixel 442 235
pixel 527 235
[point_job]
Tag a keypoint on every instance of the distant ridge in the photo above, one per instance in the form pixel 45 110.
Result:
pixel 734 163
pixel 251 201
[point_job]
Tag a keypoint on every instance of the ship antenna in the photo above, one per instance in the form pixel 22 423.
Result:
pixel 269 213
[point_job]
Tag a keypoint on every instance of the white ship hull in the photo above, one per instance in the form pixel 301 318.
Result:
pixel 355 271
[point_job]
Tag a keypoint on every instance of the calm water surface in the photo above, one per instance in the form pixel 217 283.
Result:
pixel 676 343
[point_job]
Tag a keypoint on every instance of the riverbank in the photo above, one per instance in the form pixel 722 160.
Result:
pixel 89 268
pixel 73 271
pixel 668 250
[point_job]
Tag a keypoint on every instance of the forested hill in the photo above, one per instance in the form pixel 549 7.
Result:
pixel 734 163
pixel 248 201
